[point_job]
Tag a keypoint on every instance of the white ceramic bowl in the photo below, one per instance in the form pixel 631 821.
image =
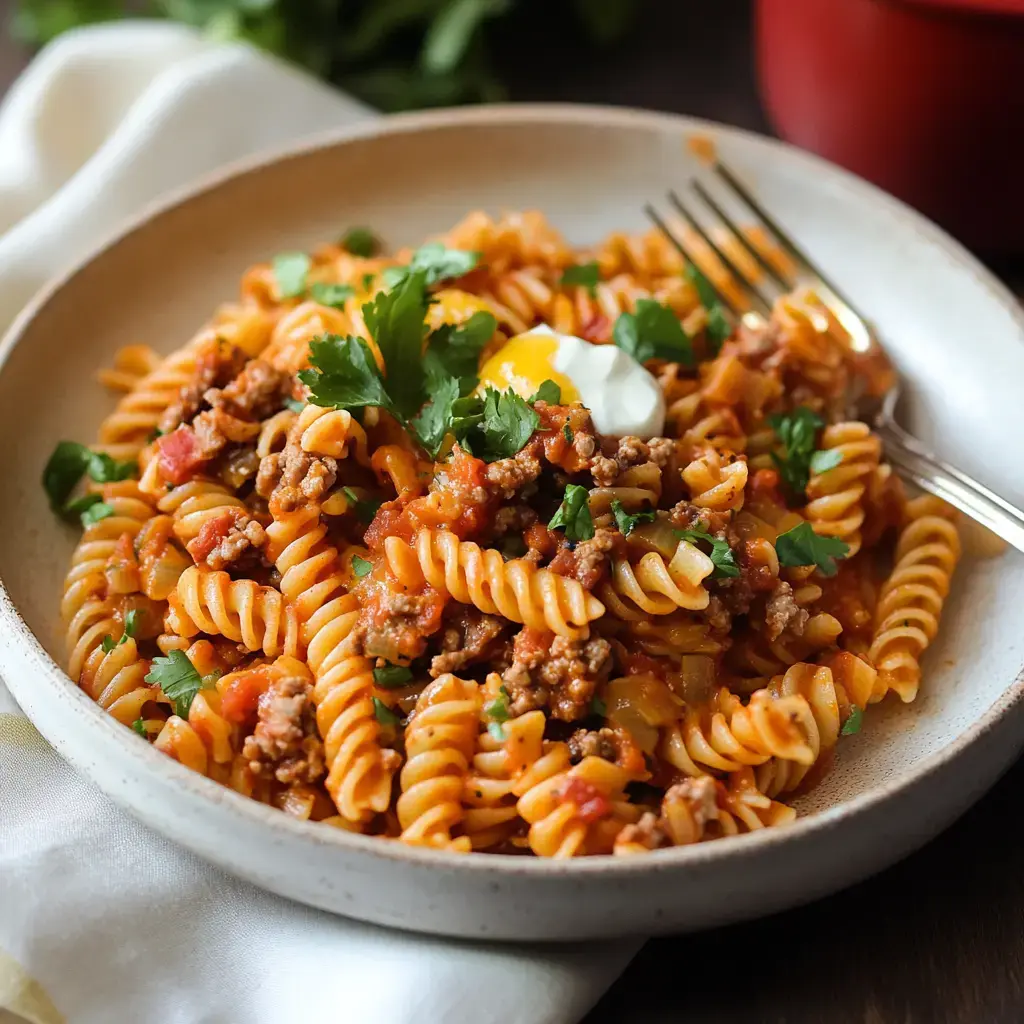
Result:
pixel 955 332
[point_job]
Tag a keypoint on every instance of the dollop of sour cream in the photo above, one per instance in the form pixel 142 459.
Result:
pixel 623 398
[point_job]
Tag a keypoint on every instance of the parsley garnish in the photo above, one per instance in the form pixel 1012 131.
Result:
pixel 435 262
pixel 499 713
pixel 365 508
pixel 67 465
pixel 453 350
pixel 802 546
pixel 721 554
pixel 586 275
pixel 797 432
pixel 718 327
pixel 335 295
pixel 548 392
pixel 626 522
pixel 653 332
pixel 131 624
pixel 107 644
pixel 345 374
pixel 392 676
pixel 567 432
pixel 368 281
pixel 384 714
pixel 360 566
pixel 825 459
pixel 295 404
pixel 573 514
pixel 96 511
pixel 178 679
pixel 360 242
pixel 140 727
pixel 507 425
pixel 852 725
pixel 598 707
pixel 290 270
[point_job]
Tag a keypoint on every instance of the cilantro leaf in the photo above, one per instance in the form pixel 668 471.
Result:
pixel 360 242
pixel 802 546
pixel 96 511
pixel 825 459
pixel 365 508
pixel 361 567
pixel 797 432
pixel 852 724
pixel 392 676
pixel 718 327
pixel 721 554
pixel 335 295
pixel 67 465
pixel 438 263
pixel 295 404
pixel 107 644
pixel 567 432
pixel 131 624
pixel 140 727
pixel 598 707
pixel 496 731
pixel 653 332
pixel 434 422
pixel 396 321
pixel 344 374
pixel 290 271
pixel 384 714
pixel 626 522
pixel 453 350
pixel 178 679
pixel 368 281
pixel 508 424
pixel 573 514
pixel 548 392
pixel 586 275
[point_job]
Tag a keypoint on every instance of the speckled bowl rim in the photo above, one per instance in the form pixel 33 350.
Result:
pixel 735 850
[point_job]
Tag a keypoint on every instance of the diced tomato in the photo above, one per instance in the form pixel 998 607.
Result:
pixel 590 802
pixel 212 532
pixel 764 485
pixel 390 521
pixel 565 563
pixel 538 537
pixel 179 455
pixel 597 329
pixel 240 695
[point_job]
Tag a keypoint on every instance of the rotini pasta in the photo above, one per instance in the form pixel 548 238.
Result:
pixel 500 544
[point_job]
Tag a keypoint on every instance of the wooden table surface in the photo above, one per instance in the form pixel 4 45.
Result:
pixel 936 938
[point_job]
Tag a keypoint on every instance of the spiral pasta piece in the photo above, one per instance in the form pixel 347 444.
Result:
pixel 359 769
pixel 439 743
pixel 131 364
pixel 241 610
pixel 910 601
pixel 517 590
pixel 715 483
pixel 194 504
pixel 836 507
pixel 116 680
pixel 656 587
pixel 726 736
pixel 332 432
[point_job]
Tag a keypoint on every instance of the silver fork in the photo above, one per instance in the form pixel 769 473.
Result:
pixel 908 456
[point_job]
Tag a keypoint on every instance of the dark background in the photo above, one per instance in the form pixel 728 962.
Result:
pixel 937 938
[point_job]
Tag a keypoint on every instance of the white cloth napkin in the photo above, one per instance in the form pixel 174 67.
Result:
pixel 101 920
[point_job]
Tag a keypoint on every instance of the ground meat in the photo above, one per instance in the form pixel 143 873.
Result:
pixel 218 364
pixel 245 537
pixel 588 561
pixel 512 475
pixel 685 516
pixel 556 672
pixel 285 745
pixel 470 636
pixel 686 809
pixel 718 617
pixel 647 832
pixel 215 430
pixel 256 393
pixel 584 445
pixel 782 612
pixel 604 471
pixel 292 477
pixel 513 519
pixel 396 625
pixel 593 743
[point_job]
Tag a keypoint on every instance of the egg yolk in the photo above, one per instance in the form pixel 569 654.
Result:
pixel 523 364
pixel 451 306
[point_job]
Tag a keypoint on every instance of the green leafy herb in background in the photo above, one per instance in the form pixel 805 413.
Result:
pixel 395 54
pixel 573 515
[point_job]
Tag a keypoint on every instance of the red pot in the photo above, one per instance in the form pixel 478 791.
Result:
pixel 923 97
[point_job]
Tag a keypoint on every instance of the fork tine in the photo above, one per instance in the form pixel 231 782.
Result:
pixel 660 224
pixel 741 236
pixel 752 289
pixel 781 235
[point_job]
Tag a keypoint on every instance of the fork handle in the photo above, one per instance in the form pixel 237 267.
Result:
pixel 912 460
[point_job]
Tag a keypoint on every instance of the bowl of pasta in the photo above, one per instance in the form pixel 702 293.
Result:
pixel 443 557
